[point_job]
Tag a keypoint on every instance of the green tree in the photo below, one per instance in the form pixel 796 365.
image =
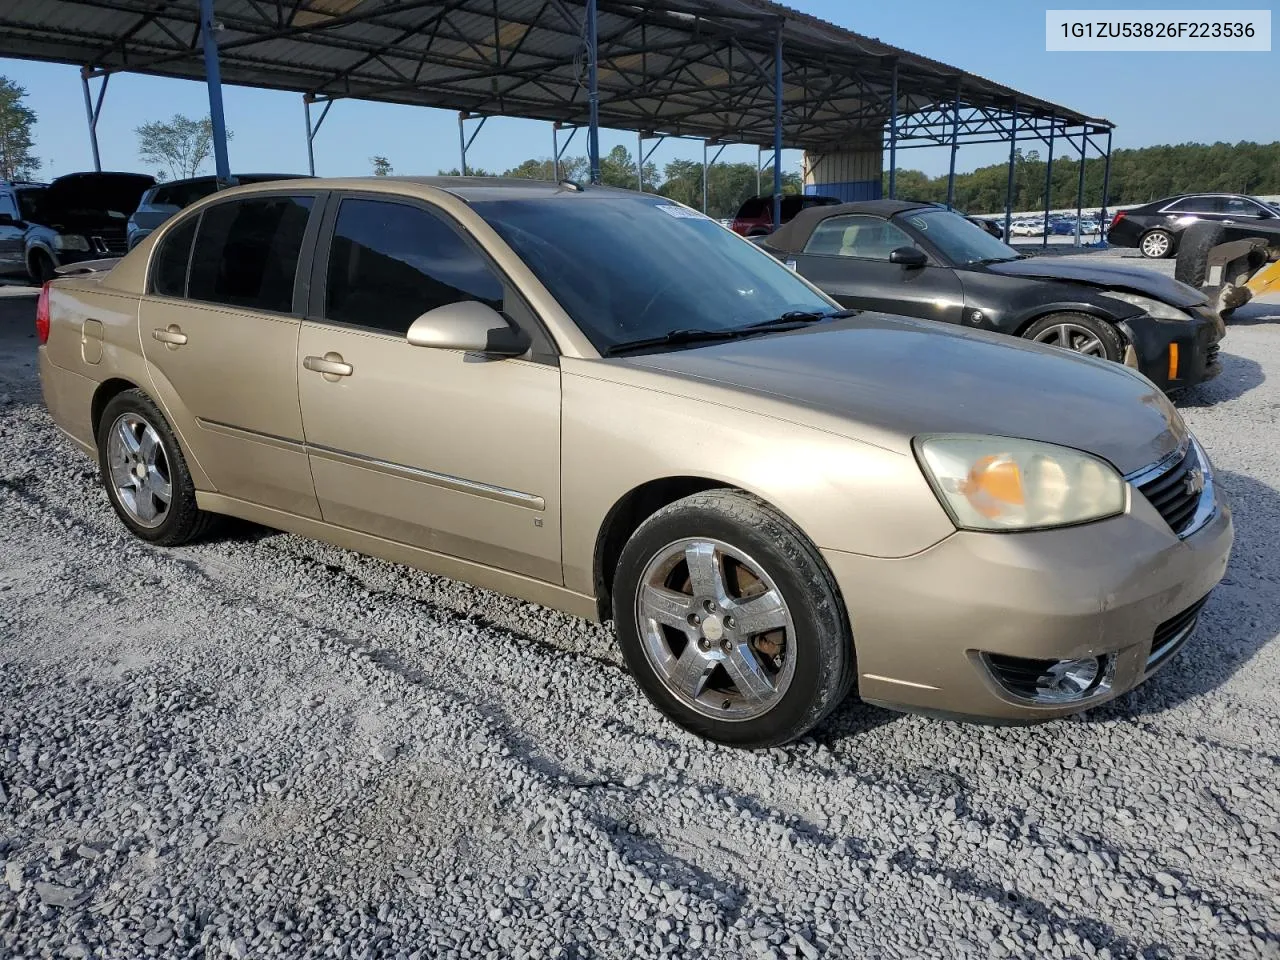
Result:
pixel 180 144
pixel 16 121
pixel 471 172
pixel 381 166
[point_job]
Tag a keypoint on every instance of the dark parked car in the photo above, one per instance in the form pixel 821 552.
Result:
pixel 17 205
pixel 901 257
pixel 165 199
pixel 1156 228
pixel 755 216
pixel 78 217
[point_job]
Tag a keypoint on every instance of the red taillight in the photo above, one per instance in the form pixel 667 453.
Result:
pixel 1116 219
pixel 42 315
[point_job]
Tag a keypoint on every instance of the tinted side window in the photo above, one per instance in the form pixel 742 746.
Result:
pixel 391 262
pixel 169 263
pixel 184 194
pixel 7 206
pixel 751 208
pixel 1240 207
pixel 246 252
pixel 857 236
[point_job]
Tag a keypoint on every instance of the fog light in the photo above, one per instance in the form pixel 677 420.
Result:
pixel 1051 681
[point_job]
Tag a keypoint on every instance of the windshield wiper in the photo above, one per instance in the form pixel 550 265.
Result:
pixel 672 337
pixel 796 318
pixel 1020 256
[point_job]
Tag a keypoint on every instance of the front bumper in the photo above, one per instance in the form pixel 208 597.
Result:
pixel 1176 354
pixel 922 624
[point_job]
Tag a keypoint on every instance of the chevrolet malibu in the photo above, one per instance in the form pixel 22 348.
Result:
pixel 609 404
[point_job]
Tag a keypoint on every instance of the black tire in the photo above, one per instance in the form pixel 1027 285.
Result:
pixel 183 521
pixel 1151 242
pixel 1193 252
pixel 822 646
pixel 1112 343
pixel 40 267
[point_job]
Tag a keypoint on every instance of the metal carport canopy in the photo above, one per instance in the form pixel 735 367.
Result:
pixel 699 68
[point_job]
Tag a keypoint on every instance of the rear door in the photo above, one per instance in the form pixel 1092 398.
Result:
pixel 220 333
pixel 848 257
pixel 11 245
pixel 448 451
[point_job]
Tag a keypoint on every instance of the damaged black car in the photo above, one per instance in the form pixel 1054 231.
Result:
pixel 916 259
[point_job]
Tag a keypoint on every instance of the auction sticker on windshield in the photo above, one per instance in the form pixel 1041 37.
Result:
pixel 681 213
pixel 1156 30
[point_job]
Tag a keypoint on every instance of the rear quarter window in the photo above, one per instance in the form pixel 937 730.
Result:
pixel 169 262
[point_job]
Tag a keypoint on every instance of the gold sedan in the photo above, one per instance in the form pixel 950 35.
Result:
pixel 607 403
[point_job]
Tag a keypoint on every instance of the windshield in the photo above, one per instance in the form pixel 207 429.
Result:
pixel 958 240
pixel 632 268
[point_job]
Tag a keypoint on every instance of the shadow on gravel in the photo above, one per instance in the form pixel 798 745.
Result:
pixel 1242 616
pixel 1254 313
pixel 1239 375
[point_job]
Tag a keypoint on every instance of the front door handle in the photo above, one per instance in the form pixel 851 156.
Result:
pixel 331 365
pixel 172 335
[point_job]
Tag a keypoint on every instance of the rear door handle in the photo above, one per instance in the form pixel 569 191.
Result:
pixel 331 365
pixel 171 335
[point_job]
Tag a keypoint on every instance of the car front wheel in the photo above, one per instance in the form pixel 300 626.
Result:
pixel 730 621
pixel 1156 245
pixel 1078 332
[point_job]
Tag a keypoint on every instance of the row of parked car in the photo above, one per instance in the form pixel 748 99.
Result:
pixel 88 216
pixel 758 459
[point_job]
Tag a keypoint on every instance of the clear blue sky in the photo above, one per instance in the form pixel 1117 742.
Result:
pixel 1152 97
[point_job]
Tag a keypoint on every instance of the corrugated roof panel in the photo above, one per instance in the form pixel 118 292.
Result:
pixel 667 59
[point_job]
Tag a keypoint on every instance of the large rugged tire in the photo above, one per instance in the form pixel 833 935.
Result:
pixel 181 520
pixel 1157 244
pixel 1045 330
pixel 1193 252
pixel 40 267
pixel 818 638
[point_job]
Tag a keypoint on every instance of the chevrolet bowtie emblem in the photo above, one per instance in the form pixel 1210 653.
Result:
pixel 1194 481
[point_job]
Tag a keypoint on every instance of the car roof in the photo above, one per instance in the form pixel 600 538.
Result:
pixel 791 237
pixel 469 189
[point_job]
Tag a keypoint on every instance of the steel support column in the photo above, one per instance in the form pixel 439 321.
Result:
pixel 1084 149
pixel 706 165
pixel 1048 186
pixel 307 100
pixel 593 93
pixel 777 126
pixel 1013 154
pixel 1106 187
pixel 557 151
pixel 893 134
pixel 92 111
pixel 955 145
pixel 213 77
pixel 464 142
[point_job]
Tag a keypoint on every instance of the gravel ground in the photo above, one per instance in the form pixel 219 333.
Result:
pixel 261 746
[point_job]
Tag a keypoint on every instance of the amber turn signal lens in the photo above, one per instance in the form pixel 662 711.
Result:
pixel 1173 361
pixel 994 483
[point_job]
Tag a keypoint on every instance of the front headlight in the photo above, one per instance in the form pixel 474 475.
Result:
pixel 1153 308
pixel 998 483
pixel 70 241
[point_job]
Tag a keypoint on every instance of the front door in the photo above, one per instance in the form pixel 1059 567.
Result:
pixel 221 343
pixel 11 235
pixel 848 257
pixel 448 451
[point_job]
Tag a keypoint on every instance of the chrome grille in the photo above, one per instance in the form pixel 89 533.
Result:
pixel 1176 493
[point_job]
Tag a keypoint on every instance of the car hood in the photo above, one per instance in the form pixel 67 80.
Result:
pixel 1134 279
pixel 86 195
pixel 889 379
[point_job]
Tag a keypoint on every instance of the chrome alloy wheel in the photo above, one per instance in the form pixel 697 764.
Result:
pixel 139 469
pixel 1072 336
pixel 716 629
pixel 1155 245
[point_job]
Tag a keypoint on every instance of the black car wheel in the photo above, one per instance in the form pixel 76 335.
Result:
pixel 40 266
pixel 1157 244
pixel 1078 332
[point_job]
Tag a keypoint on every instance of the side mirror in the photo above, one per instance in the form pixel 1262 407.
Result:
pixel 470 326
pixel 908 257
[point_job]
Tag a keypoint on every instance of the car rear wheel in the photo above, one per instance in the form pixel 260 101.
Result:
pixel 1156 245
pixel 730 621
pixel 1078 332
pixel 145 474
